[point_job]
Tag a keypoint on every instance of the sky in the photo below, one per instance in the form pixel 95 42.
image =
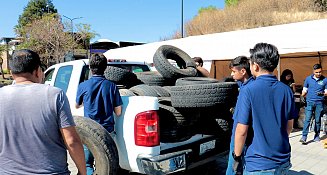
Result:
pixel 117 20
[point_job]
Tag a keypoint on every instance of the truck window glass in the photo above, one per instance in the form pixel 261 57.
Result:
pixel 48 76
pixel 63 77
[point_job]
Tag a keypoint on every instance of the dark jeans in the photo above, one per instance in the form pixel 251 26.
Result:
pixel 309 109
pixel 89 159
pixel 281 170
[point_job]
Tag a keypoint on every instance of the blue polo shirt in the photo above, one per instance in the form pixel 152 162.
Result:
pixel 314 86
pixel 266 105
pixel 99 97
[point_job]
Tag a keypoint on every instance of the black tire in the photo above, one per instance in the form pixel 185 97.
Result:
pixel 194 80
pixel 126 92
pixel 152 78
pixel 204 95
pixel 101 145
pixel 187 67
pixel 144 90
pixel 121 76
pixel 162 92
pixel 174 127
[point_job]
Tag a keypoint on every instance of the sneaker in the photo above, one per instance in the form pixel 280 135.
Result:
pixel 316 139
pixel 303 140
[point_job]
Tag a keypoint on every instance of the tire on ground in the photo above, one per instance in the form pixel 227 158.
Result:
pixel 187 67
pixel 153 78
pixel 100 143
pixel 144 90
pixel 194 80
pixel 204 95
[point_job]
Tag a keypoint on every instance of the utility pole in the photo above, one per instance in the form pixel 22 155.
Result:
pixel 72 29
pixel 182 26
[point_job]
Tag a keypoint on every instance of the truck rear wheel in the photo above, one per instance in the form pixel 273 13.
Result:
pixel 101 145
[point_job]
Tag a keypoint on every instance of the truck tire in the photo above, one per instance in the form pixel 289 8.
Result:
pixel 144 90
pixel 194 80
pixel 162 92
pixel 187 67
pixel 126 92
pixel 204 95
pixel 101 145
pixel 153 79
pixel 174 127
pixel 121 76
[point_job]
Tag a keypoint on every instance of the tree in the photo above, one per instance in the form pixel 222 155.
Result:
pixel 207 9
pixel 3 48
pixel 47 37
pixel 43 31
pixel 322 5
pixel 231 2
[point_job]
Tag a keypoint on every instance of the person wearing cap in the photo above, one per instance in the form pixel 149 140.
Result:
pixel 36 124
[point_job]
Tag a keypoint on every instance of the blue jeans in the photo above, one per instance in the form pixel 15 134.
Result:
pixel 281 170
pixel 89 159
pixel 229 170
pixel 309 109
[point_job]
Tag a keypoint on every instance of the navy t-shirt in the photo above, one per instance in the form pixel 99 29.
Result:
pixel 99 97
pixel 266 105
pixel 315 86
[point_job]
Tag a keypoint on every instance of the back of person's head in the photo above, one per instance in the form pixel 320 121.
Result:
pixel 24 61
pixel 265 55
pixel 98 64
pixel 317 66
pixel 198 60
pixel 241 62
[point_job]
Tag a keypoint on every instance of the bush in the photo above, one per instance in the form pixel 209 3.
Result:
pixel 253 13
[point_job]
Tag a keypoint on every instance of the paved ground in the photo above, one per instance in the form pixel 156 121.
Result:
pixel 310 159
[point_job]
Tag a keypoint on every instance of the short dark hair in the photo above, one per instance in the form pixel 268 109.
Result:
pixel 199 60
pixel 241 62
pixel 317 66
pixel 98 64
pixel 265 55
pixel 24 61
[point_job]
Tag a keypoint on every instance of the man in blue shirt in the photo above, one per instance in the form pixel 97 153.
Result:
pixel 100 98
pixel 241 73
pixel 265 112
pixel 314 89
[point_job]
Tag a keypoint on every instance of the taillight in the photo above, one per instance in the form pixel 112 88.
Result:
pixel 146 129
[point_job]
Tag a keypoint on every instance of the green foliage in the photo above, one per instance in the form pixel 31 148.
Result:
pixel 2 49
pixel 322 5
pixel 34 10
pixel 207 9
pixel 229 3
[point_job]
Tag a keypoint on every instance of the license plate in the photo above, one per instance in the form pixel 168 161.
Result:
pixel 174 164
pixel 207 146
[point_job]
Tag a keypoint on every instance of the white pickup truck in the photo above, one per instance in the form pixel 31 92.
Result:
pixel 135 146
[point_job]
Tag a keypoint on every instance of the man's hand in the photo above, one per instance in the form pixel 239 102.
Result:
pixel 237 165
pixel 320 94
pixel 302 101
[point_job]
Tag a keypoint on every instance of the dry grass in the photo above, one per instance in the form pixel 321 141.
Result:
pixel 251 14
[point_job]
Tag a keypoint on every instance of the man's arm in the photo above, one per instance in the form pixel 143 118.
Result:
pixel 290 126
pixel 78 106
pixel 75 148
pixel 240 137
pixel 203 71
pixel 117 110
